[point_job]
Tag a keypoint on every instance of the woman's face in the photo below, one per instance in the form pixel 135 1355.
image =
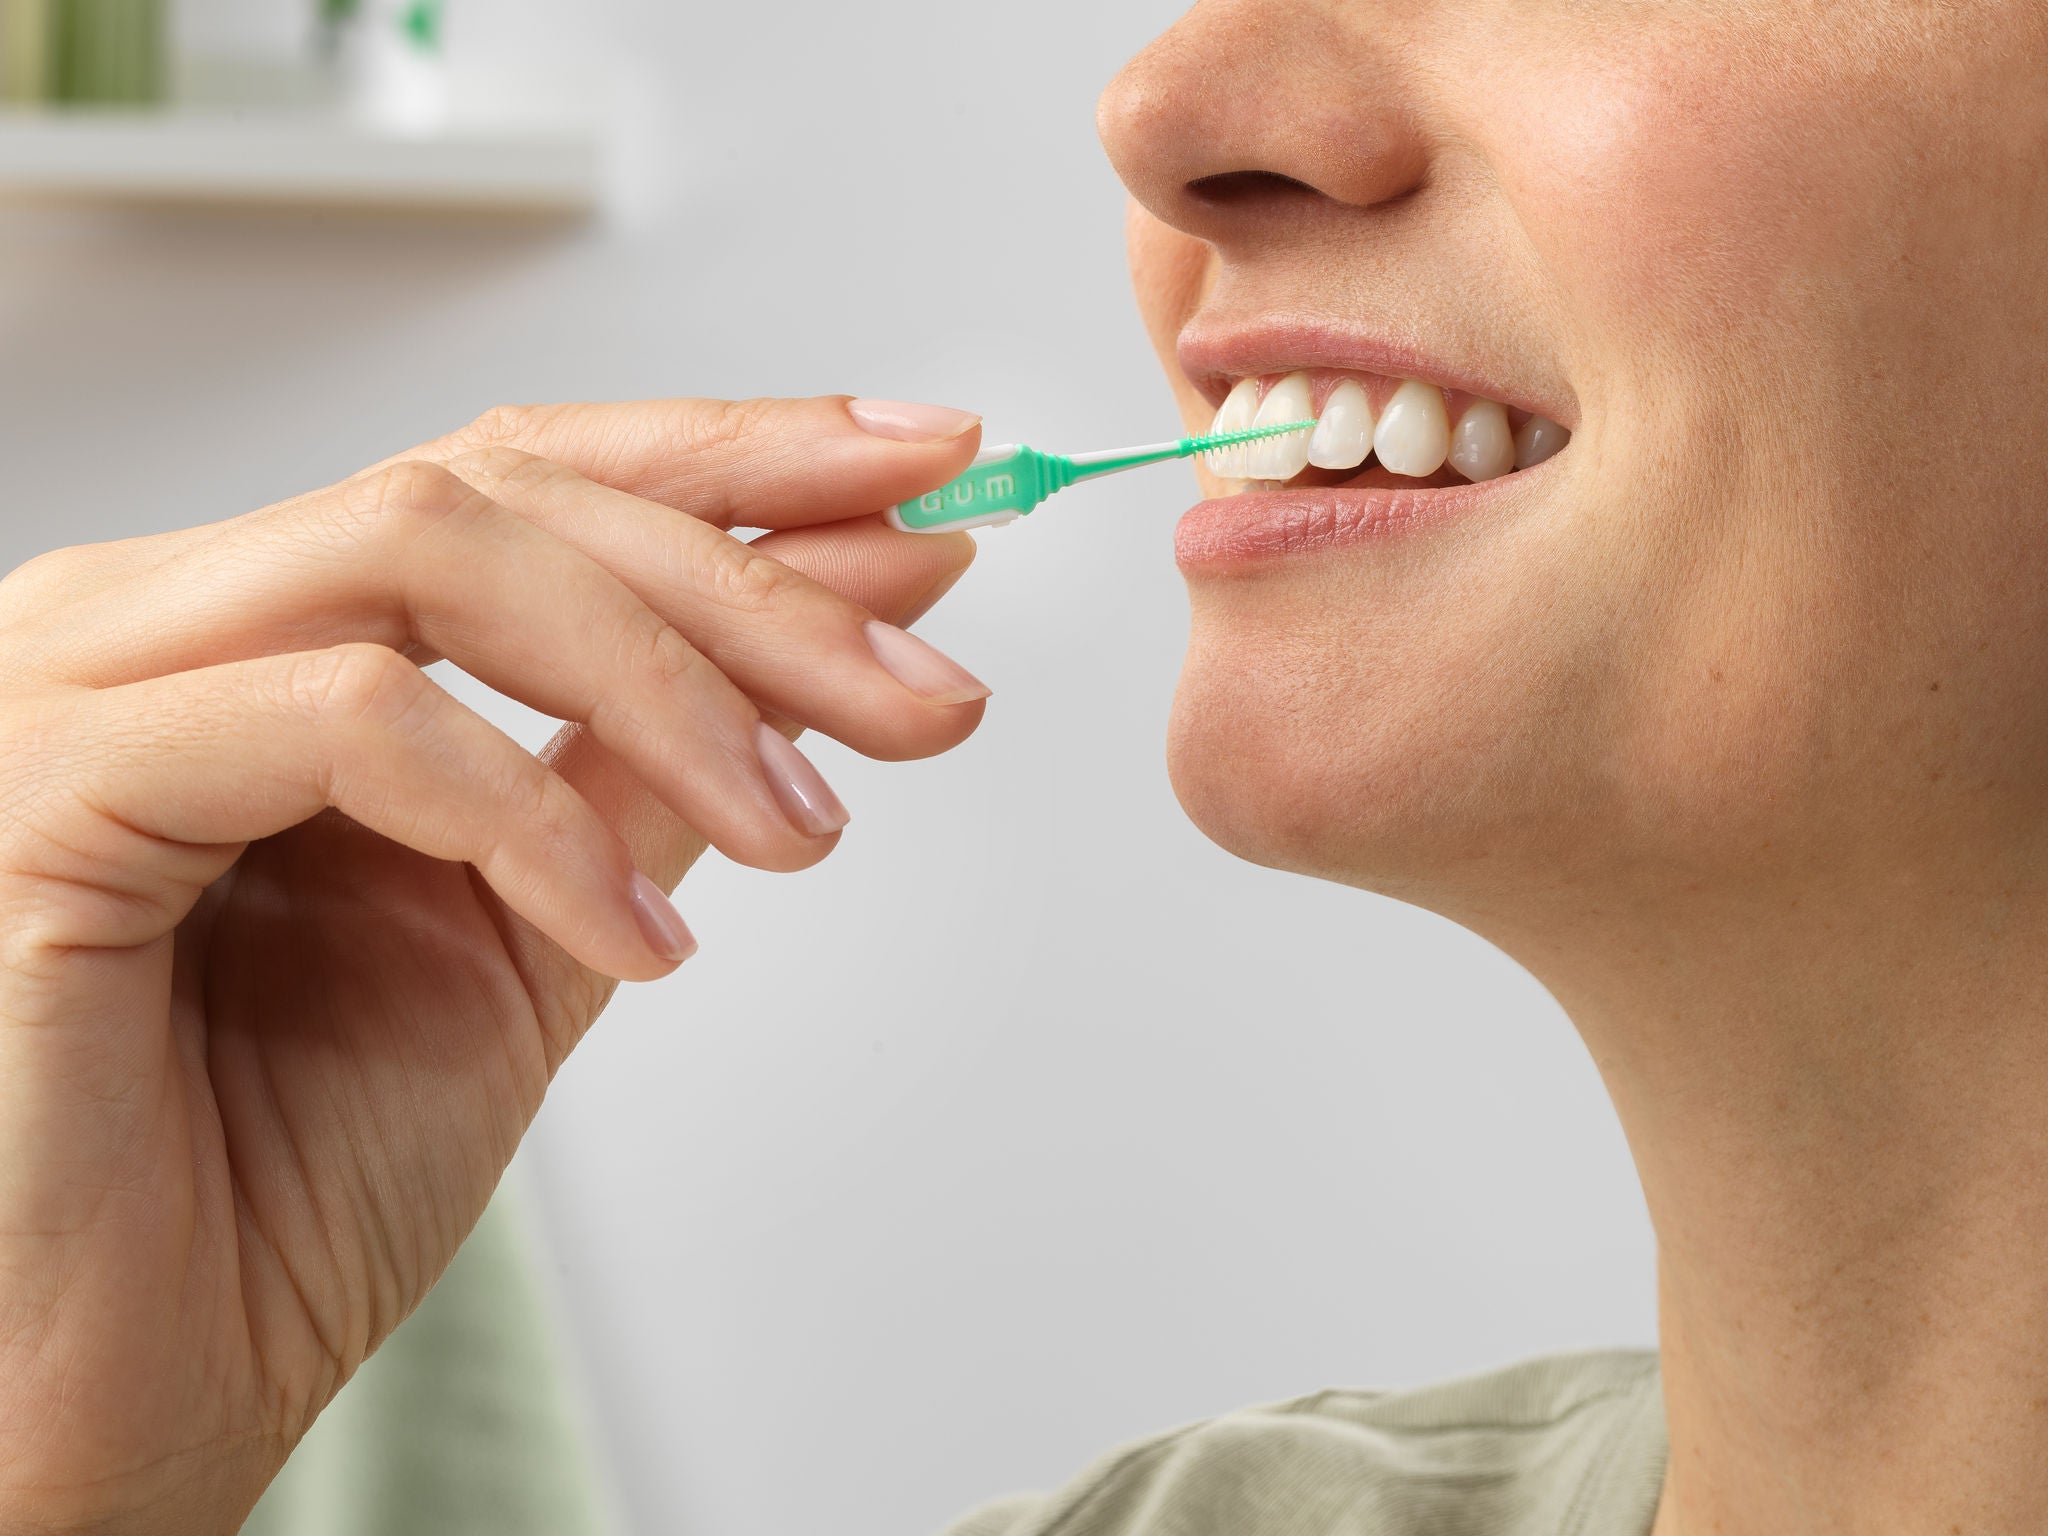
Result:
pixel 1779 266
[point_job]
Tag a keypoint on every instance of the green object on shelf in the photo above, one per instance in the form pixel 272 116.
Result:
pixel 416 23
pixel 422 23
pixel 109 52
pixel 25 51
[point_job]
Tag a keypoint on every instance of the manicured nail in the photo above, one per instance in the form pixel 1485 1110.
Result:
pixel 908 423
pixel 660 923
pixel 931 674
pixel 807 800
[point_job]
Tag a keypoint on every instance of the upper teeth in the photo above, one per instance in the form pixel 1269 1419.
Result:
pixel 1234 415
pixel 1343 435
pixel 1412 433
pixel 1483 445
pixel 1537 440
pixel 1283 457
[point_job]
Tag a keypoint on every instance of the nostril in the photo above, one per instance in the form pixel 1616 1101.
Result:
pixel 1234 187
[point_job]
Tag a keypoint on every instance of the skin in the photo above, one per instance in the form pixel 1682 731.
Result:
pixel 1734 735
pixel 262 1063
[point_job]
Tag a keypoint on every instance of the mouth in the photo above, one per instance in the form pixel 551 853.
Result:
pixel 1392 451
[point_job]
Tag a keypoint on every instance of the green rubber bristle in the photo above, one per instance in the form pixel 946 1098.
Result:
pixel 1248 435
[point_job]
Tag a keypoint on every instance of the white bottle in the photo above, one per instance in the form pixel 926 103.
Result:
pixel 390 63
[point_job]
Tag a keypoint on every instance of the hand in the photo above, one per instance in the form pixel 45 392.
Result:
pixel 294 942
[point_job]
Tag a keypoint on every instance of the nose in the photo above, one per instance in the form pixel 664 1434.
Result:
pixel 1245 107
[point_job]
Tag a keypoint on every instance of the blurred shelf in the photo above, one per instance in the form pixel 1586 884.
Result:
pixel 287 158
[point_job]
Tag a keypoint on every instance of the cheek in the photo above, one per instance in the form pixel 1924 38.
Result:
pixel 1731 229
pixel 1696 183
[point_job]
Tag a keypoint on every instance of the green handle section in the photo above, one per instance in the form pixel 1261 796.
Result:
pixel 1008 482
pixel 1016 482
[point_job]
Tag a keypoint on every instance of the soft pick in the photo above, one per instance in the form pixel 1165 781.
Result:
pixel 1004 483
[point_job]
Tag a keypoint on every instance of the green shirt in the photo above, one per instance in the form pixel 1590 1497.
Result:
pixel 1560 1445
pixel 460 1426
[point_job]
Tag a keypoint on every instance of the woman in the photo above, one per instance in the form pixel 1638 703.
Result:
pixel 1724 721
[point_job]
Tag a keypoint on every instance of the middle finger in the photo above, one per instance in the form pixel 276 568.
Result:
pixel 791 644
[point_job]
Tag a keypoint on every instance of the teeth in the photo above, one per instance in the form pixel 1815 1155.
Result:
pixel 1234 415
pixel 1280 458
pixel 1343 435
pixel 1539 438
pixel 1414 432
pixel 1482 446
pixel 1413 436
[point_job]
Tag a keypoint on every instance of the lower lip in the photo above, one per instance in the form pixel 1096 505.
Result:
pixel 1265 525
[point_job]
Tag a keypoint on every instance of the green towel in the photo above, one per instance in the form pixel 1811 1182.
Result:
pixel 109 52
pixel 24 51
pixel 461 1425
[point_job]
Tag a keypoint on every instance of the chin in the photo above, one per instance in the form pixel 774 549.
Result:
pixel 1248 782
pixel 1292 751
pixel 1397 735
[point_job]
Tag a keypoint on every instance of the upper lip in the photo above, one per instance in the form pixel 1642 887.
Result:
pixel 1215 354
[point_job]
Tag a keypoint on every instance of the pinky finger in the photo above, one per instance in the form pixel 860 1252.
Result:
pixel 234 753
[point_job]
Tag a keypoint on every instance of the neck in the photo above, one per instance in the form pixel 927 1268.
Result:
pixel 1840 1118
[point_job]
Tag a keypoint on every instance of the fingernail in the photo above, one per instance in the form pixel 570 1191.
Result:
pixel 807 800
pixel 907 423
pixel 660 923
pixel 931 674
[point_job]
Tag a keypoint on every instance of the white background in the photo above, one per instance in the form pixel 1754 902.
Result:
pixel 1030 1121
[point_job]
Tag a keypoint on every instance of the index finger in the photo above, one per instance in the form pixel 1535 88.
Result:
pixel 741 463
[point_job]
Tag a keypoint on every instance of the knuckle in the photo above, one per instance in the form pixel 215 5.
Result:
pixel 495 461
pixel 517 472
pixel 46 579
pixel 350 684
pixel 663 651
pixel 507 425
pixel 514 467
pixel 741 577
pixel 731 423
pixel 413 488
pixel 402 501
pixel 538 797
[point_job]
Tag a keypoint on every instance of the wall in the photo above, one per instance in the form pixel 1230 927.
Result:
pixel 1030 1121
